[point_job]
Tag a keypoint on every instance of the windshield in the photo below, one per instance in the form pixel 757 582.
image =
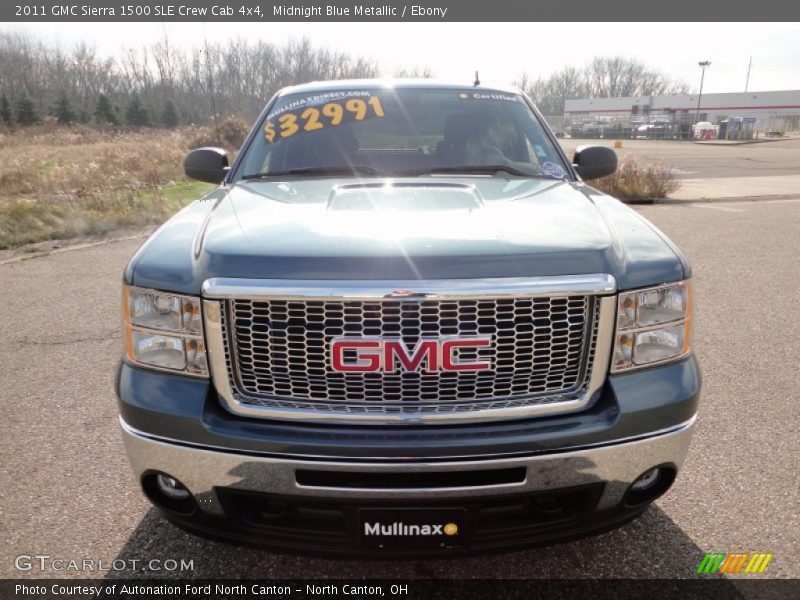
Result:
pixel 402 132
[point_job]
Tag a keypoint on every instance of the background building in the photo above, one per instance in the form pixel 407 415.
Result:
pixel 773 111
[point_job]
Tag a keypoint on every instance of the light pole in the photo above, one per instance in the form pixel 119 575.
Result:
pixel 702 64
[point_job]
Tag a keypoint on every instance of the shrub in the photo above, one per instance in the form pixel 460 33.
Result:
pixel 169 116
pixel 136 113
pixel 231 134
pixel 63 110
pixel 105 112
pixel 634 182
pixel 27 114
pixel 5 110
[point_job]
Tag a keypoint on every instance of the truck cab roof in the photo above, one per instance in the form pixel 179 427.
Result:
pixel 346 84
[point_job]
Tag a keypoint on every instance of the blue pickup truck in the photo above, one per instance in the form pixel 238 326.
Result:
pixel 404 325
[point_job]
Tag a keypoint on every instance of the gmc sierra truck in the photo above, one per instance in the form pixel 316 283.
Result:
pixel 404 325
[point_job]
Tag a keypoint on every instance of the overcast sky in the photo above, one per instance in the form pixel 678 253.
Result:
pixel 500 51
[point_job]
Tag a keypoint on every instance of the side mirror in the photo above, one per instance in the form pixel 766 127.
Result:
pixel 206 164
pixel 592 162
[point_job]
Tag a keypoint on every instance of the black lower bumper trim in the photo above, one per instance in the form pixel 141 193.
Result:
pixel 319 526
pixel 411 480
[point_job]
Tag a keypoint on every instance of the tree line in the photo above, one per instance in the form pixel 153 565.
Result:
pixel 159 83
pixel 136 113
pixel 165 84
pixel 603 77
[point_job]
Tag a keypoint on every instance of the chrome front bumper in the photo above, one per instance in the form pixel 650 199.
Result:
pixel 201 469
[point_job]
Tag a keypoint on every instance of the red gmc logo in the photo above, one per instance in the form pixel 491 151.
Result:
pixel 388 355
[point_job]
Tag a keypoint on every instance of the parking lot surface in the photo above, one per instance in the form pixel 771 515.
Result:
pixel 66 489
pixel 692 160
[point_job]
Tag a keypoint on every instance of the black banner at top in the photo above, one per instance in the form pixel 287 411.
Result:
pixel 396 10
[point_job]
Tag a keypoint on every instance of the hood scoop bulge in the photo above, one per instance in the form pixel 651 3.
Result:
pixel 404 196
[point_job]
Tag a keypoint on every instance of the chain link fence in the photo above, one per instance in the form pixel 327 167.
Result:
pixel 679 127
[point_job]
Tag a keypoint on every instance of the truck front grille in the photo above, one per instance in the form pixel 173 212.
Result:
pixel 278 353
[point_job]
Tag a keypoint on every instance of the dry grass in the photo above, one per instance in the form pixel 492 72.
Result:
pixel 58 182
pixel 636 182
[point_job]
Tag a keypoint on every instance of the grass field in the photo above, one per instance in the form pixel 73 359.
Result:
pixel 58 183
pixel 66 182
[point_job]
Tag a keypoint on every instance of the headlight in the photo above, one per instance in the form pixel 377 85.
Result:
pixel 164 331
pixel 654 325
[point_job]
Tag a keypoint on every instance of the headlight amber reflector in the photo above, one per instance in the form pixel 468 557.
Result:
pixel 654 325
pixel 164 331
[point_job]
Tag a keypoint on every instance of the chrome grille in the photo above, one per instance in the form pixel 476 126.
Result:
pixel 278 352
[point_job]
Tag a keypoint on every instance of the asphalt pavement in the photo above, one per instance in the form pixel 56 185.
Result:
pixel 693 160
pixel 66 490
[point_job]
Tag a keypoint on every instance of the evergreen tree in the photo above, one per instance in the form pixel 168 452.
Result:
pixel 27 113
pixel 5 110
pixel 136 113
pixel 105 111
pixel 169 117
pixel 63 110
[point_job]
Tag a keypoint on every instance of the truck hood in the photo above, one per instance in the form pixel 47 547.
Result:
pixel 426 228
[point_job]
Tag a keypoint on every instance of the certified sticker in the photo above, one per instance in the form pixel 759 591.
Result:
pixel 487 96
pixel 553 170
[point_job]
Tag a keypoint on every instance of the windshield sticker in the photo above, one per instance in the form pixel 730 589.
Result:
pixel 487 96
pixel 553 170
pixel 317 99
pixel 286 123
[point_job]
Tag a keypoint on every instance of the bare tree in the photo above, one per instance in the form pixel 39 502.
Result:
pixel 416 72
pixel 603 77
pixel 237 76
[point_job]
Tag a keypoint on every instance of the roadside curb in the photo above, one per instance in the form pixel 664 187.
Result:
pixel 704 200
pixel 69 248
pixel 742 142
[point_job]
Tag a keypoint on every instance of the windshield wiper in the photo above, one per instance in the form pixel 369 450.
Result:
pixel 488 169
pixel 346 170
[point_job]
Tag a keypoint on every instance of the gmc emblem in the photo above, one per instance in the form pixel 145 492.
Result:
pixel 388 355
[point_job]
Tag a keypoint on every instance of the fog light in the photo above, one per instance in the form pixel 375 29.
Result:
pixel 649 485
pixel 646 480
pixel 171 487
pixel 168 493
